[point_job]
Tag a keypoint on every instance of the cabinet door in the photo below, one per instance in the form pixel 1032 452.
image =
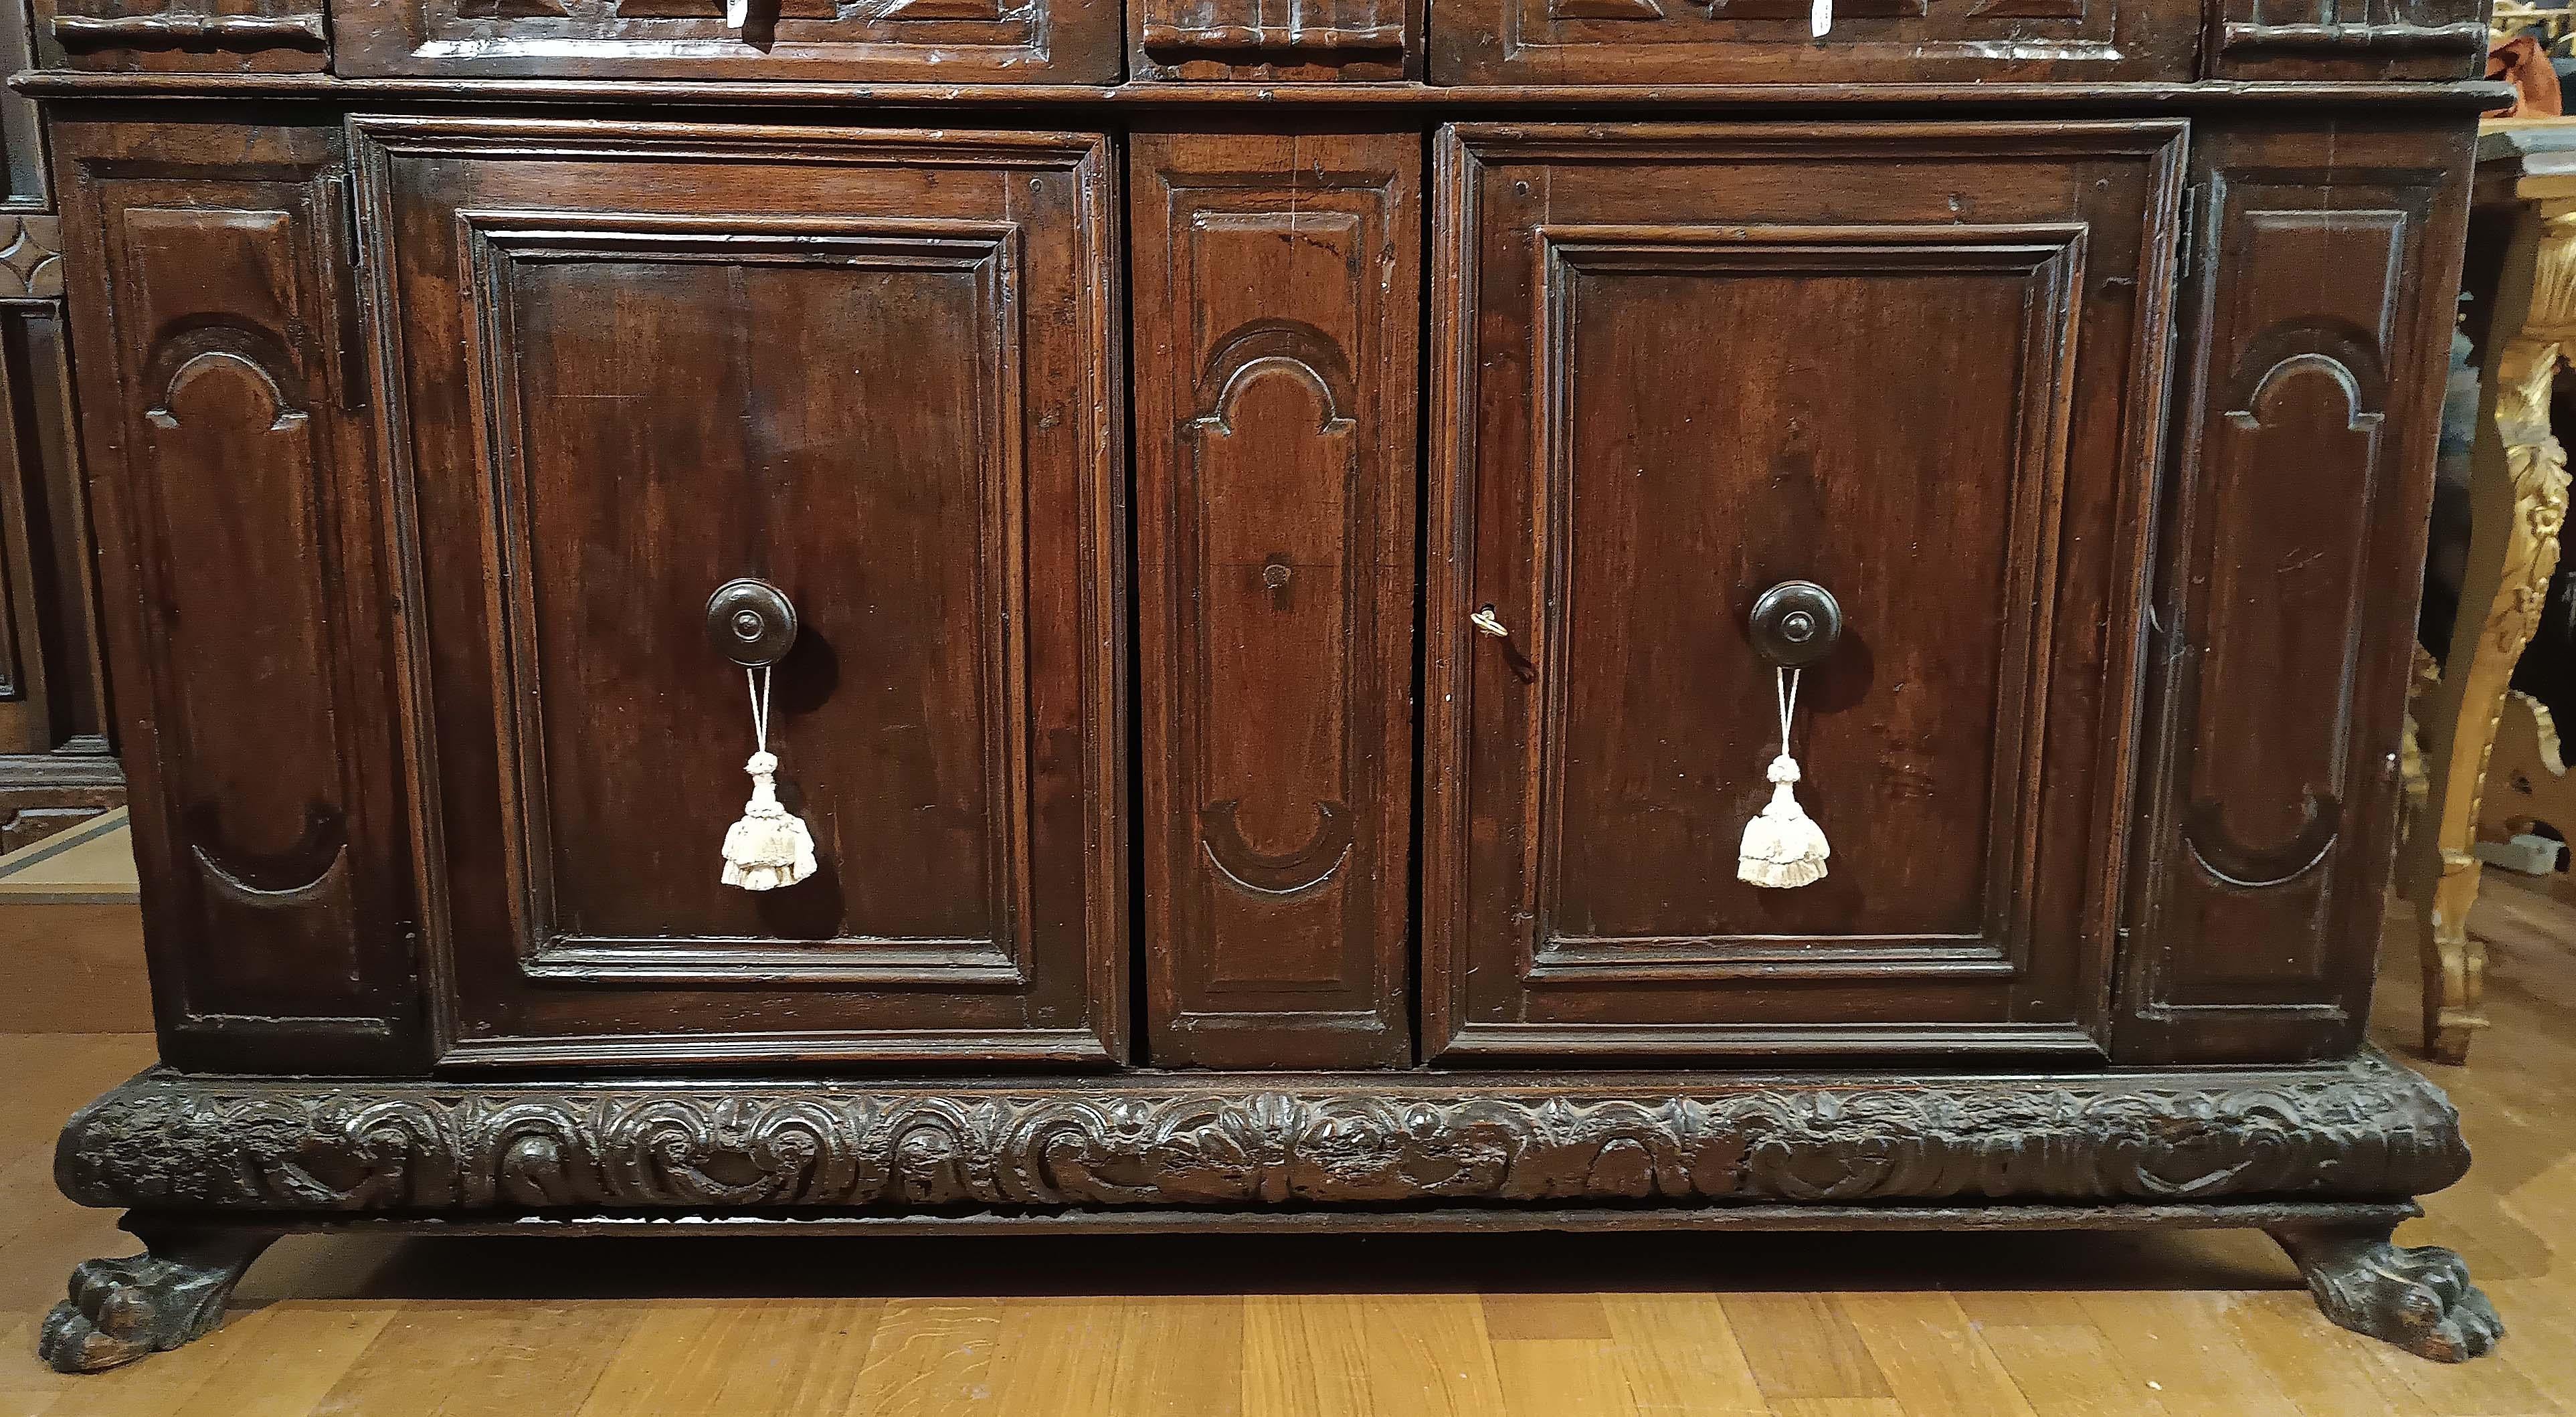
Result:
pixel 1771 41
pixel 1917 364
pixel 873 369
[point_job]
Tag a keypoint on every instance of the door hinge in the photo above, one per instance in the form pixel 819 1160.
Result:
pixel 2187 233
pixel 341 196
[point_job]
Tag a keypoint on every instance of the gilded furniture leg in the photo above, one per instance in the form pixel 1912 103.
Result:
pixel 2518 499
pixel 2527 780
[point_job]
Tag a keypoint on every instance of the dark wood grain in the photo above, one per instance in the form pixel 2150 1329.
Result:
pixel 2294 543
pixel 1679 374
pixel 1741 41
pixel 960 40
pixel 1278 288
pixel 632 367
pixel 244 581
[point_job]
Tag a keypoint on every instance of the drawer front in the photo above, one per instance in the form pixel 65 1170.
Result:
pixel 872 369
pixel 1062 41
pixel 1917 364
pixel 1770 41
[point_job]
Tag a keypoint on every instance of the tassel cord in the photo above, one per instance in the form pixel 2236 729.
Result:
pixel 1784 687
pixel 757 681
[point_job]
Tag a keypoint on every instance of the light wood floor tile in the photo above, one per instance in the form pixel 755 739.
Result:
pixel 1680 1357
pixel 1932 1357
pixel 1803 1345
pixel 2068 1370
pixel 928 1358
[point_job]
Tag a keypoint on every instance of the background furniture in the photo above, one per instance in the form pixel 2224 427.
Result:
pixel 1273 504
pixel 2526 212
pixel 56 767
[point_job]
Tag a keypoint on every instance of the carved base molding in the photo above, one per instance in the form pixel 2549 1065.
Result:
pixel 2325 1158
pixel 167 1142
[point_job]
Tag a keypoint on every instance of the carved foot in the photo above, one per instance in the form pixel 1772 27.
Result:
pixel 124 1309
pixel 2419 1299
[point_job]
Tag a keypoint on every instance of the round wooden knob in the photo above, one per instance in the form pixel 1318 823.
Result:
pixel 752 622
pixel 1796 623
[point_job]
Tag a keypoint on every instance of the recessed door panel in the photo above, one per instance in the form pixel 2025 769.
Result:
pixel 1912 364
pixel 864 368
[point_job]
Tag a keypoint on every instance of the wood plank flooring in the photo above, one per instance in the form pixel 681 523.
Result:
pixel 1623 1326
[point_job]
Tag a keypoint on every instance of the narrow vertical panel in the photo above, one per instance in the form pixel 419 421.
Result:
pixel 2291 560
pixel 1277 296
pixel 238 555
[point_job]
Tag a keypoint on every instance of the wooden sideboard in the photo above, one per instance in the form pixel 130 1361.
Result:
pixel 1257 516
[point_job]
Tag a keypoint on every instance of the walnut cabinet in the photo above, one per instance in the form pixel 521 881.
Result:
pixel 1275 499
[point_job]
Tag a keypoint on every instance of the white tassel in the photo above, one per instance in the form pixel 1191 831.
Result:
pixel 1820 19
pixel 1783 848
pixel 770 846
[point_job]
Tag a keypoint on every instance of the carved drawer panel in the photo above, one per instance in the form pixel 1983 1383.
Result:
pixel 1769 41
pixel 246 36
pixel 874 40
pixel 871 368
pixel 1917 364
pixel 2348 39
pixel 1277 40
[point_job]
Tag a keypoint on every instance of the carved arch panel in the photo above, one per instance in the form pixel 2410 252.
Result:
pixel 240 573
pixel 1274 548
pixel 2270 784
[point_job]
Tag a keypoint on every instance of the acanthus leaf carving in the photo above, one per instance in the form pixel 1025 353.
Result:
pixel 169 1141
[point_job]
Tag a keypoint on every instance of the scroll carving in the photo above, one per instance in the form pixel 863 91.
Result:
pixel 170 1141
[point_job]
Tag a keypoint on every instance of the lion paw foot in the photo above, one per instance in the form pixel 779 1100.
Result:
pixel 2418 1299
pixel 123 1309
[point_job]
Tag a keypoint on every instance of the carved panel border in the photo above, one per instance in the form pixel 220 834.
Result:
pixel 496 242
pixel 2364 1129
pixel 2050 260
